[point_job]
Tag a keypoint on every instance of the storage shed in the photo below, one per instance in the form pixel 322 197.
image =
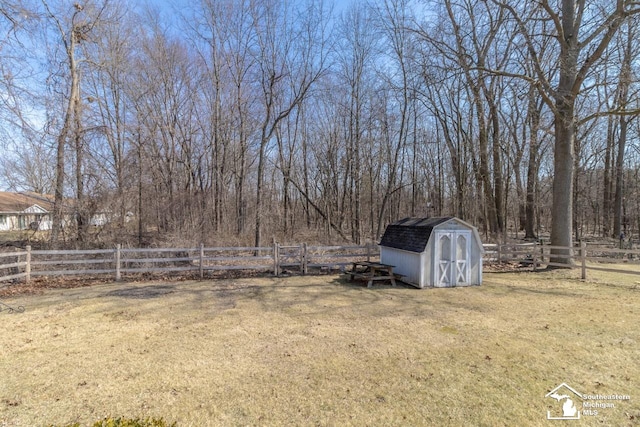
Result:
pixel 439 252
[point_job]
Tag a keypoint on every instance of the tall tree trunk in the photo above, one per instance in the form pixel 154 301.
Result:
pixel 532 170
pixel 563 162
pixel 565 130
pixel 70 42
pixel 140 189
pixel 241 171
pixel 498 181
pixel 305 172
pixel 607 191
pixel 619 221
pixel 491 214
pixel 82 220
pixel 264 138
pixel 356 170
pixel 619 224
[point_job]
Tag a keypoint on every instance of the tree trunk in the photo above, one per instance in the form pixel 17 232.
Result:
pixel 565 129
pixel 70 50
pixel 623 99
pixel 82 220
pixel 260 184
pixel 532 178
pixel 606 181
pixel 618 214
pixel 498 181
pixel 563 162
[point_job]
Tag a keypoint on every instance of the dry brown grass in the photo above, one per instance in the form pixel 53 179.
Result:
pixel 321 351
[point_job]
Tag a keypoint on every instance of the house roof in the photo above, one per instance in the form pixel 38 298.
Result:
pixel 411 234
pixel 19 202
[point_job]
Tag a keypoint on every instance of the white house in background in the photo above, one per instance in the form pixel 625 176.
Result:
pixel 21 211
pixel 438 252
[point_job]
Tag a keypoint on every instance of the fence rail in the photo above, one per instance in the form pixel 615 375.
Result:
pixel 26 264
pixel 278 259
pixel 581 257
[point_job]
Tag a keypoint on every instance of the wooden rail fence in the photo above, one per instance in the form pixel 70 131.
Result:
pixel 278 259
pixel 584 257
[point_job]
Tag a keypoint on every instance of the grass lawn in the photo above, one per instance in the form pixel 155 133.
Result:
pixel 321 351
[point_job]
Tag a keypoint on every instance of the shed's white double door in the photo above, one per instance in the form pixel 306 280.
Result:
pixel 452 258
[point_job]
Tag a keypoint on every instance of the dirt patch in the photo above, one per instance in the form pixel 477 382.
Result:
pixel 142 292
pixel 40 285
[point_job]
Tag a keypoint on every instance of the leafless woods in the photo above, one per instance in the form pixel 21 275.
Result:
pixel 239 120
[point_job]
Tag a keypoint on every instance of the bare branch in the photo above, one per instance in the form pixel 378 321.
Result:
pixel 618 112
pixel 555 18
pixel 542 82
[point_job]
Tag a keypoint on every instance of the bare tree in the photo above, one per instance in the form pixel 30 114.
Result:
pixel 356 52
pixel 482 26
pixel 25 161
pixel 168 119
pixel 71 32
pixel 623 101
pixel 393 17
pixel 213 26
pixel 578 53
pixel 290 59
pixel 107 88
pixel 29 167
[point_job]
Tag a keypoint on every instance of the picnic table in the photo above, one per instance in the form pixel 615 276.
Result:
pixel 372 271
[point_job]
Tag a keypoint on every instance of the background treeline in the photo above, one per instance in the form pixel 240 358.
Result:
pixel 241 120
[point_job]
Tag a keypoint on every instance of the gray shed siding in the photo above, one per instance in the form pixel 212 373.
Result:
pixel 405 263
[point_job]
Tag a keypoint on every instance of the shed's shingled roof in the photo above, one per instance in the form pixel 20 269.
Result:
pixel 411 234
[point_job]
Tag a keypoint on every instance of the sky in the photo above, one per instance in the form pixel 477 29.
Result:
pixel 171 11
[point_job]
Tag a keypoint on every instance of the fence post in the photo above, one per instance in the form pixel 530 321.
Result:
pixel 303 259
pixel 583 257
pixel 201 261
pixel 27 268
pixel 499 253
pixel 276 261
pixel 368 244
pixel 118 275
